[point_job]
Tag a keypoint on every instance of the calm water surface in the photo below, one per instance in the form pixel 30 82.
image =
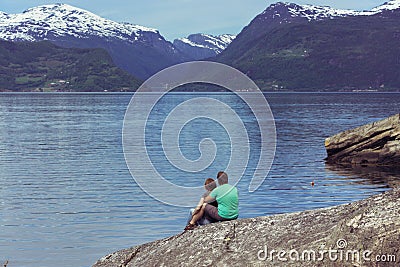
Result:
pixel 67 197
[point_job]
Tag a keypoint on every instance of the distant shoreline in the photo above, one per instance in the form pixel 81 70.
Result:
pixel 201 92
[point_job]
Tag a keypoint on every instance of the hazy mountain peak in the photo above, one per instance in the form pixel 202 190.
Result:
pixel 215 42
pixel 199 46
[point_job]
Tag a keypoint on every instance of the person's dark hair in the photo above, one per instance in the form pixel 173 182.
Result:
pixel 222 178
pixel 210 184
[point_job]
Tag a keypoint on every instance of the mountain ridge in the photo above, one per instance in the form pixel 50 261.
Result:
pixel 143 51
pixel 137 49
pixel 286 12
pixel 42 66
pixel 286 50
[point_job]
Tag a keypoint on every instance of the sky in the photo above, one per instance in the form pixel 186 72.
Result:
pixel 179 18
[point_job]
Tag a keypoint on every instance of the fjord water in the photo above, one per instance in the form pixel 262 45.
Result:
pixel 67 197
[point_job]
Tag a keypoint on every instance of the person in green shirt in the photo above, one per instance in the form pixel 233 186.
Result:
pixel 228 203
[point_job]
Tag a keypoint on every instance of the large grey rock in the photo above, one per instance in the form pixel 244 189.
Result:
pixel 348 235
pixel 376 144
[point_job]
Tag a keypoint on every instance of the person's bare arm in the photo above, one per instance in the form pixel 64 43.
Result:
pixel 209 199
pixel 201 202
pixel 199 205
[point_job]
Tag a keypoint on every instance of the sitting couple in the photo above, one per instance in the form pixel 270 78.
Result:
pixel 217 203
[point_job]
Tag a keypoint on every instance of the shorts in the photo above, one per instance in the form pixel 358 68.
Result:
pixel 211 213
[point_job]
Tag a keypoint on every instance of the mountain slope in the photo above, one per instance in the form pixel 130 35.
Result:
pixel 26 66
pixel 306 47
pixel 139 50
pixel 201 46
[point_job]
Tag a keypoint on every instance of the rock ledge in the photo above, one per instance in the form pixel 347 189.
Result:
pixel 374 144
pixel 369 229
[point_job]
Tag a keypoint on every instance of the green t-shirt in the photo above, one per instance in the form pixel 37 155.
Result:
pixel 228 201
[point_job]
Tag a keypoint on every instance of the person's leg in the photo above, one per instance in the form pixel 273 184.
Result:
pixel 190 216
pixel 198 215
pixel 211 213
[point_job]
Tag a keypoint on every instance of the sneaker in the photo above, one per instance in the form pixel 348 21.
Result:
pixel 190 227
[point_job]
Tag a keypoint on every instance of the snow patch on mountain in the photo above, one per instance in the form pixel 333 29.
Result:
pixel 312 12
pixel 200 46
pixel 320 12
pixel 3 15
pixel 391 5
pixel 216 43
pixel 188 42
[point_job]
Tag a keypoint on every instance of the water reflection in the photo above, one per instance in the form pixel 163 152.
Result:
pixel 386 176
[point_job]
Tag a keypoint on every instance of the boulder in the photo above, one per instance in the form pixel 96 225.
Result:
pixel 363 233
pixel 374 144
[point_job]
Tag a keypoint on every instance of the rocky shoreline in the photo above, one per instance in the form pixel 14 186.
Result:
pixel 363 233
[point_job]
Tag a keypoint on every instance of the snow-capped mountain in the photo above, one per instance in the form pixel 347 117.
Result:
pixel 282 13
pixel 314 48
pixel 143 51
pixel 201 46
pixel 49 21
pixel 285 12
pixel 140 50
